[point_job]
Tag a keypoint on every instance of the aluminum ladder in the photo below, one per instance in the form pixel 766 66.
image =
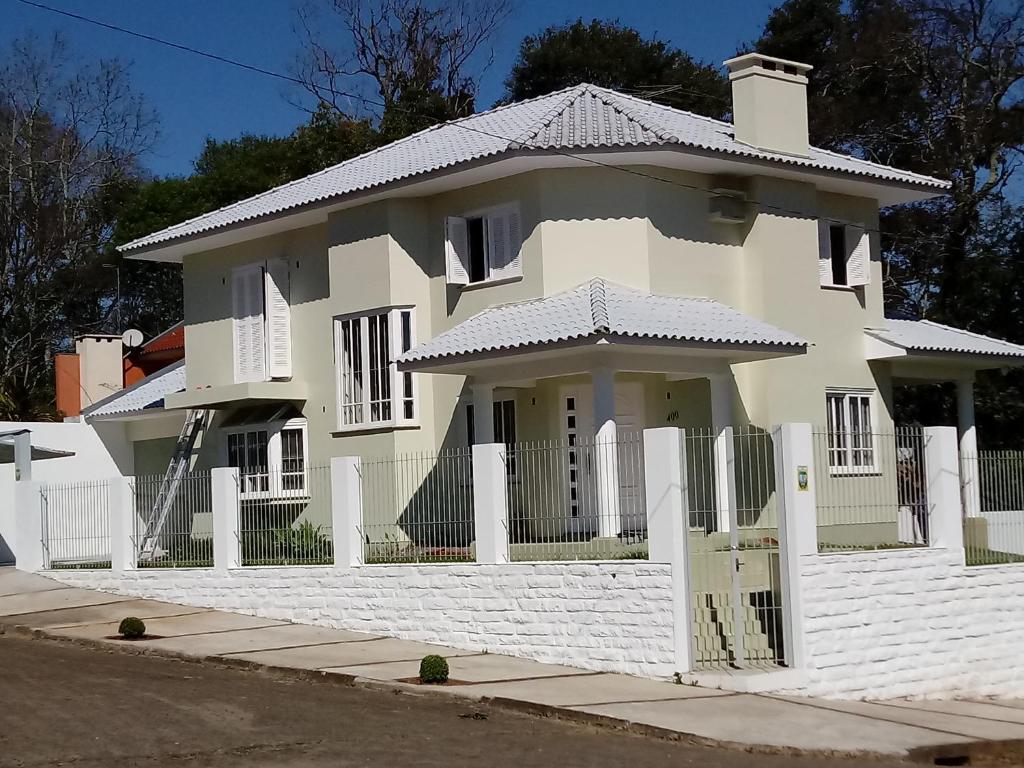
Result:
pixel 196 422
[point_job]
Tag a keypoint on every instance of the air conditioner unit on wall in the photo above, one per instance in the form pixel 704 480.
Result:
pixel 727 206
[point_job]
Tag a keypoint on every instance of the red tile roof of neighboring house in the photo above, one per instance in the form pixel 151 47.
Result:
pixel 171 339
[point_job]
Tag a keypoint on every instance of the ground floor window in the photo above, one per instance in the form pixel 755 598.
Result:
pixel 851 446
pixel 268 446
pixel 504 422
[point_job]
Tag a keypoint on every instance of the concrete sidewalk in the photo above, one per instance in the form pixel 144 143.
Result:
pixel 920 729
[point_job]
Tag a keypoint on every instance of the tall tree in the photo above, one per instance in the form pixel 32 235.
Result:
pixel 611 55
pixel 409 63
pixel 71 134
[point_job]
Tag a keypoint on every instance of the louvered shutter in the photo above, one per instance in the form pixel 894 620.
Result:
pixel 247 309
pixel 279 324
pixel 456 250
pixel 506 260
pixel 497 245
pixel 824 253
pixel 858 266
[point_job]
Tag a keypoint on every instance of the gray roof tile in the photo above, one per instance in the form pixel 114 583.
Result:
pixel 601 308
pixel 581 117
pixel 142 395
pixel 926 336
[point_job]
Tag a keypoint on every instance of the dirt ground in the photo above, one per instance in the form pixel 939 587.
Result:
pixel 63 704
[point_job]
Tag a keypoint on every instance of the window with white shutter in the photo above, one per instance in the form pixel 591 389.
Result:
pixel 484 247
pixel 279 325
pixel 262 321
pixel 844 254
pixel 247 305
pixel 371 391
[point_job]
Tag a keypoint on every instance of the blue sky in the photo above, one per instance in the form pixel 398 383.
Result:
pixel 196 98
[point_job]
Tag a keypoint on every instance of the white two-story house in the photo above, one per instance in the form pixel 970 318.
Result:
pixel 577 266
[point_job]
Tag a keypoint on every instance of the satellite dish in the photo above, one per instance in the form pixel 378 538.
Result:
pixel 132 338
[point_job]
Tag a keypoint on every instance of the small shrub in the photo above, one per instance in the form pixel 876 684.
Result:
pixel 433 669
pixel 131 627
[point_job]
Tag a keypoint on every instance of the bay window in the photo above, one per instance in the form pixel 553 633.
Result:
pixel 371 391
pixel 267 445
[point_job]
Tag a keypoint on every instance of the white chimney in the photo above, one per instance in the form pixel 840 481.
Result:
pixel 101 366
pixel 769 103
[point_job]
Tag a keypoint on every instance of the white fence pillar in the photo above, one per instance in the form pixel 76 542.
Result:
pixel 490 503
pixel 28 525
pixel 225 496
pixel 942 488
pixel 798 527
pixel 347 511
pixel 667 524
pixel 123 548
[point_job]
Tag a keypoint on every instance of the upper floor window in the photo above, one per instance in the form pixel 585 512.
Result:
pixel 261 321
pixel 372 392
pixel 268 446
pixel 844 254
pixel 851 441
pixel 483 247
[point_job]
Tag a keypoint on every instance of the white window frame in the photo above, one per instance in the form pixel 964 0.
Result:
pixel 272 487
pixel 461 275
pixel 843 410
pixel 356 410
pixel 497 404
pixel 857 253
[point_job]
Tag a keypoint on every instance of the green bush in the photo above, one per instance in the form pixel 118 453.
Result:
pixel 433 669
pixel 131 627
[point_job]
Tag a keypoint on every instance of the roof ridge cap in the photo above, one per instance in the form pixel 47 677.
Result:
pixel 572 94
pixel 614 100
pixel 599 305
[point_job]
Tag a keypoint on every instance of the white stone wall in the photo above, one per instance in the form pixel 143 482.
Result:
pixel 911 623
pixel 609 617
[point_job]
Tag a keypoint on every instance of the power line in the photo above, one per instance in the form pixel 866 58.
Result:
pixel 459 123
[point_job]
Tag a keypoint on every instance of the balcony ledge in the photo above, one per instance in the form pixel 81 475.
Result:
pixel 244 393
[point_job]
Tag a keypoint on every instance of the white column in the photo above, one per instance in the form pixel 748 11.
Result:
pixel 942 488
pixel 28 525
pixel 347 511
pixel 123 548
pixel 721 421
pixel 225 497
pixel 968 445
pixel 490 503
pixel 606 453
pixel 23 456
pixel 483 413
pixel 667 515
pixel 798 527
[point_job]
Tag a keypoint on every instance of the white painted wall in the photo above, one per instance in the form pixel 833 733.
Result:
pixel 100 453
pixel 911 623
pixel 609 617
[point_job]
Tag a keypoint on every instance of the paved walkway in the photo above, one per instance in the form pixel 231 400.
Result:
pixel 751 720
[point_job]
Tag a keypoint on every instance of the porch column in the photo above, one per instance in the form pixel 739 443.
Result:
pixel 483 413
pixel 968 445
pixel 721 421
pixel 606 453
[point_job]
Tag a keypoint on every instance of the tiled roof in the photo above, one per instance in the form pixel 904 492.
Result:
pixel 170 340
pixel 601 308
pixel 142 395
pixel 577 118
pixel 926 336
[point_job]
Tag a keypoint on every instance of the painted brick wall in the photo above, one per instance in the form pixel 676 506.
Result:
pixel 610 617
pixel 914 623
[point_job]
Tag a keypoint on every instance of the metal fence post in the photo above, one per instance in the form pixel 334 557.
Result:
pixel 28 525
pixel 798 527
pixel 121 506
pixel 225 496
pixel 942 484
pixel 347 510
pixel 490 503
pixel 667 523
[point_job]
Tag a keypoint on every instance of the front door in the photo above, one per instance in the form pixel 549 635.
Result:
pixel 577 416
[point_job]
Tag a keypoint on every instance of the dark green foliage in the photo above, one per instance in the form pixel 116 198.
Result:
pixel 131 628
pixel 304 543
pixel 433 669
pixel 608 54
